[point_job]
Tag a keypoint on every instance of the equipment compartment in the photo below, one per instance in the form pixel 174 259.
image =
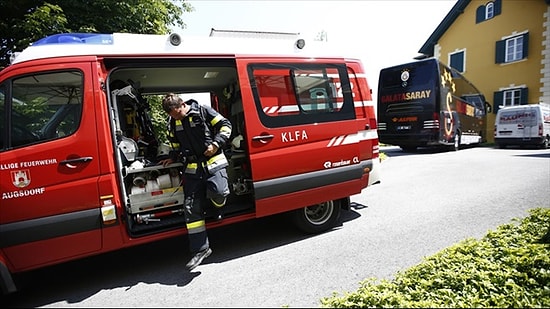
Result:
pixel 156 200
pixel 153 188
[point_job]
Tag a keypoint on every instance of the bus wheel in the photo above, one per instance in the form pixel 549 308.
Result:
pixel 317 218
pixel 456 144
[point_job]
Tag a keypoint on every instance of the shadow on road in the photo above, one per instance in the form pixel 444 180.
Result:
pixel 396 151
pixel 536 155
pixel 161 262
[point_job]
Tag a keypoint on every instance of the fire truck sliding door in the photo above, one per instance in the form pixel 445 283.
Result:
pixel 300 133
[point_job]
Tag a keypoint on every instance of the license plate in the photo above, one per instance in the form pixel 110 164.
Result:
pixel 403 127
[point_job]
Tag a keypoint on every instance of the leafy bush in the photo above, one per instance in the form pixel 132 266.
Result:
pixel 159 118
pixel 509 267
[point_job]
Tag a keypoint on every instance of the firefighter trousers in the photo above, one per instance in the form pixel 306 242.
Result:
pixel 199 189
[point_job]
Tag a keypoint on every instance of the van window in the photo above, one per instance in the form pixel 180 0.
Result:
pixel 44 107
pixel 291 94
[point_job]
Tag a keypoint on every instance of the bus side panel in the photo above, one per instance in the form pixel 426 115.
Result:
pixel 463 109
pixel 50 187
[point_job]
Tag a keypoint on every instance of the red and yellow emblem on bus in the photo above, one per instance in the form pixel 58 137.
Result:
pixel 447 82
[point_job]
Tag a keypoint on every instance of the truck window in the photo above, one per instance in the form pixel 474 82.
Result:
pixel 44 107
pixel 294 94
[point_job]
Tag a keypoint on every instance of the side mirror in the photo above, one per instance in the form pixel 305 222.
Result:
pixel 488 107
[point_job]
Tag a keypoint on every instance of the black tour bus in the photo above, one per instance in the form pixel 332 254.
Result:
pixel 426 103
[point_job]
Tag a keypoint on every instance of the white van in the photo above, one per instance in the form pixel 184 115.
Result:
pixel 523 125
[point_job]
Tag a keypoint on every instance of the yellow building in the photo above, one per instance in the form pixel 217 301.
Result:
pixel 501 46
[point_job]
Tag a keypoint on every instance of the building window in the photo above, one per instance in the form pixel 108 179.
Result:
pixel 488 11
pixel 512 49
pixel 456 61
pixel 510 97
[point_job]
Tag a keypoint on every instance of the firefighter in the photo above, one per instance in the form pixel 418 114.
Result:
pixel 197 135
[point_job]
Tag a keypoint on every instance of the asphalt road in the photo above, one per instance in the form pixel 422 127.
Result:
pixel 426 201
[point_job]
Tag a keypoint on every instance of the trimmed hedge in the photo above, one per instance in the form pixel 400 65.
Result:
pixel 509 267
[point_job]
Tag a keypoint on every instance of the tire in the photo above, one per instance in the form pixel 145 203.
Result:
pixel 317 218
pixel 456 144
pixel 546 143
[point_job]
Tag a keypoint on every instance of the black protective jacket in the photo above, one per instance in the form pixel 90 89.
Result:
pixel 201 127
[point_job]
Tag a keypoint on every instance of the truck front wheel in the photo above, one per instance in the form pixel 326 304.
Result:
pixel 545 143
pixel 317 218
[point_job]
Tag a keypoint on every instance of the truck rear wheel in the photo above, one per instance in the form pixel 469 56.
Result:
pixel 545 143
pixel 317 218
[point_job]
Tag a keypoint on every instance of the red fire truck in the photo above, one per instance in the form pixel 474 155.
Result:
pixel 79 151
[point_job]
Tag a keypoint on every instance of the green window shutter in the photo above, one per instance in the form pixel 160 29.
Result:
pixel 525 45
pixel 480 14
pixel 497 100
pixel 497 5
pixel 500 49
pixel 524 96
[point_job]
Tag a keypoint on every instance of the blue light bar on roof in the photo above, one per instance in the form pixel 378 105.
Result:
pixel 76 38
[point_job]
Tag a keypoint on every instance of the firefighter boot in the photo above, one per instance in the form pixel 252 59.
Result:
pixel 197 258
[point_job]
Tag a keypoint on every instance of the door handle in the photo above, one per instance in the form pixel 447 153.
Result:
pixel 70 162
pixel 263 138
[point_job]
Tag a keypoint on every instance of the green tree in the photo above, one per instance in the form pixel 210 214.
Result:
pixel 26 21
